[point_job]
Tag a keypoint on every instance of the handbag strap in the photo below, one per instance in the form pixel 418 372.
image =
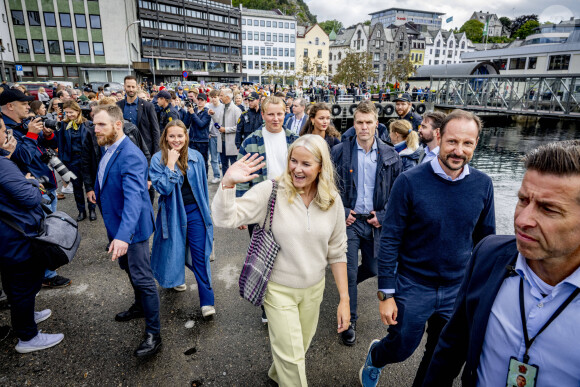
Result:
pixel 13 225
pixel 271 204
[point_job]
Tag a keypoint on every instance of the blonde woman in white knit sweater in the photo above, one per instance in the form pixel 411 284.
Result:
pixel 308 223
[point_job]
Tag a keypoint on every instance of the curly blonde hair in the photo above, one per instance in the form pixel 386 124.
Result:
pixel 326 187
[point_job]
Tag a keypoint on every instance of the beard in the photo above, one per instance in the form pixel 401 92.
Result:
pixel 445 161
pixel 107 139
pixel 425 139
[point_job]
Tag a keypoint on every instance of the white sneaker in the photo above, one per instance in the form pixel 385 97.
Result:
pixel 42 315
pixel 207 310
pixel 180 288
pixel 39 342
pixel 67 190
pixel 215 180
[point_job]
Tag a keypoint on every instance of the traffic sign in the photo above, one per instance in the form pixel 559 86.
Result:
pixel 19 70
pixel 185 74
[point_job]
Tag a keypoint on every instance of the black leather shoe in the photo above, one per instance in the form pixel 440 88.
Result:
pixel 349 336
pixel 92 215
pixel 82 216
pixel 129 315
pixel 149 346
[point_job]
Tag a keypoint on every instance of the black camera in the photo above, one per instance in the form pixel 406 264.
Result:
pixel 189 103
pixel 47 186
pixel 51 159
pixel 49 122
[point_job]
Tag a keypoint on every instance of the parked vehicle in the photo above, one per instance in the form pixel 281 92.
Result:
pixel 108 87
pixel 33 87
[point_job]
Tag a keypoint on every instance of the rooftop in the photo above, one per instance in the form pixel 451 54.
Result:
pixel 274 13
pixel 407 10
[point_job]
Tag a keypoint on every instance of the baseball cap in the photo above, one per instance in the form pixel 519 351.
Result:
pixel 405 97
pixel 253 95
pixel 202 96
pixel 11 95
pixel 164 94
pixel 88 89
pixel 179 87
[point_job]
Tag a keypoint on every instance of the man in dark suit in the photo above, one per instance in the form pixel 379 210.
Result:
pixel 142 114
pixel 517 284
pixel 121 193
pixel 296 121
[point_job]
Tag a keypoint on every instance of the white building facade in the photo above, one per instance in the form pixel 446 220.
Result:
pixel 268 45
pixel 445 47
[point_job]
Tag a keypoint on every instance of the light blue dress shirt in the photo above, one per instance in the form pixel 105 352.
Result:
pixel 105 160
pixel 440 172
pixel 555 350
pixel 366 174
pixel 430 154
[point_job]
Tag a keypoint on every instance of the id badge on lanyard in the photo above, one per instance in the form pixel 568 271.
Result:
pixel 521 374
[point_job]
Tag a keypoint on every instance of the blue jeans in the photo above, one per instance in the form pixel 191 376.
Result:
pixel 361 235
pixel 137 265
pixel 417 304
pixel 226 161
pixel 214 156
pixel 48 274
pixel 196 238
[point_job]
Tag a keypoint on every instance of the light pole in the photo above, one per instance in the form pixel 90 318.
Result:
pixel 129 46
pixel 2 49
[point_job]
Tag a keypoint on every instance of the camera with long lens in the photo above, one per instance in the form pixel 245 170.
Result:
pixel 51 159
pixel 49 122
pixel 47 186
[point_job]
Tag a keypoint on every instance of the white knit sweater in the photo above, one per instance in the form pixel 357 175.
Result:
pixel 309 238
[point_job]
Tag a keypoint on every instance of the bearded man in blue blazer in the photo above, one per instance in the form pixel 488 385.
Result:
pixel 122 196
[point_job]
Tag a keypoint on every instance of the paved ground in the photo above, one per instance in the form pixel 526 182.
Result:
pixel 230 350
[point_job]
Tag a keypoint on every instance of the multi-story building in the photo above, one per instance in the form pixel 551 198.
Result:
pixel 69 41
pixel 268 46
pixel 445 47
pixel 400 16
pixel 352 39
pixel 6 48
pixel 312 43
pixel 417 52
pixel 494 26
pixel 201 37
pixel 386 45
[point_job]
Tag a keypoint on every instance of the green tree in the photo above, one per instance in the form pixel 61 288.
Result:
pixel 367 23
pixel 519 21
pixel 355 67
pixel 506 22
pixel 399 70
pixel 473 29
pixel 526 29
pixel 329 25
pixel 311 69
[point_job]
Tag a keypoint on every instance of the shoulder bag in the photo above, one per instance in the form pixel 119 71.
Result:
pixel 260 258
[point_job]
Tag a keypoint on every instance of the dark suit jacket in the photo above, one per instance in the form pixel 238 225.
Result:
pixel 462 338
pixel 123 197
pixel 290 122
pixel 146 123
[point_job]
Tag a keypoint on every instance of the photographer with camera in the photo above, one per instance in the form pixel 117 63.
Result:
pixel 21 270
pixel 34 140
pixel 197 121
pixel 70 136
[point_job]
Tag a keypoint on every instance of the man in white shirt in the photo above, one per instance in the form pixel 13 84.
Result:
pixel 297 121
pixel 429 135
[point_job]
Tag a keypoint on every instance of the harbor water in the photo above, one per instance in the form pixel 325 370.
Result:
pixel 502 144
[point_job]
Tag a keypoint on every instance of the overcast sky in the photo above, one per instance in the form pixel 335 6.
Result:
pixel 350 12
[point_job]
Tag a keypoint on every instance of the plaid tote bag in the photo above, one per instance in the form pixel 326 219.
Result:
pixel 260 258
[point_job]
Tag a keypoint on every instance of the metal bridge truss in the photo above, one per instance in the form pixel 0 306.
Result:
pixel 554 95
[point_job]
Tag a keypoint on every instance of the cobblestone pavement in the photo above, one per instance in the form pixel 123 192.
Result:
pixel 230 350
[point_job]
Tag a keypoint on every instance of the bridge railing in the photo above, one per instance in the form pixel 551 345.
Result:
pixel 530 94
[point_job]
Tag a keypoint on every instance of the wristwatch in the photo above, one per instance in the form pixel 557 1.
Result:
pixel 384 296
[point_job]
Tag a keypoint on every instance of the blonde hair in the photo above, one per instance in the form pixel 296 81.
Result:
pixel 70 104
pixel 326 187
pixel 405 129
pixel 107 101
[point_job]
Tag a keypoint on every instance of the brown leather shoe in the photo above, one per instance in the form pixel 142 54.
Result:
pixel 60 196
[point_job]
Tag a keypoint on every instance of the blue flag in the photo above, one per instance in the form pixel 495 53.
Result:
pixel 449 19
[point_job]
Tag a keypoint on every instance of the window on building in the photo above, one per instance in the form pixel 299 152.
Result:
pixel 256 50
pixel 268 36
pixel 532 61
pixel 292 39
pixel 286 52
pixel 34 19
pixel 53 47
pixel 57 71
pixel 517 63
pixel 286 25
pixel 269 51
pixel 249 22
pixel 317 41
pixel 256 23
pixel 339 55
pixel 305 52
pixel 243 22
pixel 275 24
pixel 420 57
pixel 98 48
pixel 280 37
pixel 38 46
pixel 169 64
pixel 17 18
pixel 256 64
pixel 80 20
pixel 84 48
pixel 22 46
pixel 262 36
pixel 330 68
pixel 95 21
pixel 250 65
pixel 274 37
pixel 319 54
pixel 27 70
pixel 249 36
pixel 559 62
pixel 243 50
pixel 72 71
pixel 412 57
pixel 292 25
pixel 65 21
pixel 268 23
pixel 286 66
pixel 256 36
pixel 49 19
pixel 243 36
pixel 262 23
pixel 42 71
pixel 292 53
pixel 69 47
pixel 262 51
pixel 286 38
pixel 220 49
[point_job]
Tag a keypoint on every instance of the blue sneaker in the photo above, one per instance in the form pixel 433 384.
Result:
pixel 368 374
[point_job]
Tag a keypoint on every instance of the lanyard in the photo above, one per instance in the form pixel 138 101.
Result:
pixel 527 340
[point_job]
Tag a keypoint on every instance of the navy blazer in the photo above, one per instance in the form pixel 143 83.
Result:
pixel 147 123
pixel 289 123
pixel 123 197
pixel 64 140
pixel 462 338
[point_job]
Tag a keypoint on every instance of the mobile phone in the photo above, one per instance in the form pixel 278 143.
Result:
pixel 8 135
pixel 61 105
